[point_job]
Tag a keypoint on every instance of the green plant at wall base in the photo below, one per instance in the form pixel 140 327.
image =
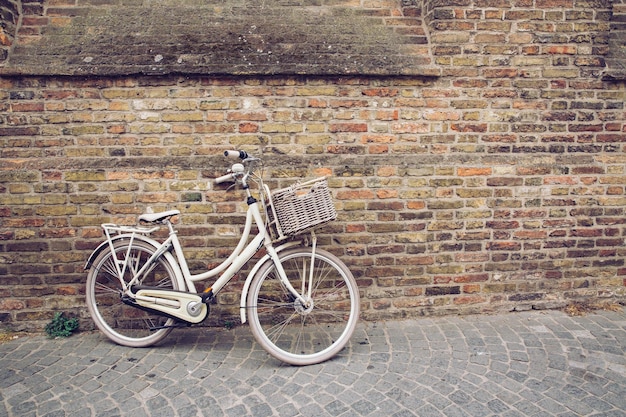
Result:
pixel 61 326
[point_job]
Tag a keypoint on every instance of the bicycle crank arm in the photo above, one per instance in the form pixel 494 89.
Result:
pixel 180 305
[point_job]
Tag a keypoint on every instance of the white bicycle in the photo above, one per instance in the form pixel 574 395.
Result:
pixel 302 302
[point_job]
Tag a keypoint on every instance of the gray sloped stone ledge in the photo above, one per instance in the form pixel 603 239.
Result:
pixel 241 37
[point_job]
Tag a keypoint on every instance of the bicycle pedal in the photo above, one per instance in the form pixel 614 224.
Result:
pixel 207 296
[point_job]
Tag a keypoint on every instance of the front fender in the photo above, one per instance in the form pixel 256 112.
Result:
pixel 255 269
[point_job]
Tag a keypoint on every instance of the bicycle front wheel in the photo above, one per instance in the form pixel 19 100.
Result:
pixel 122 323
pixel 304 333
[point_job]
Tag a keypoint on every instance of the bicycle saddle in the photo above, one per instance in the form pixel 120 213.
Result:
pixel 157 217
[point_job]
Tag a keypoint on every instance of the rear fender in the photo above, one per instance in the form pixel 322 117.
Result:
pixel 168 256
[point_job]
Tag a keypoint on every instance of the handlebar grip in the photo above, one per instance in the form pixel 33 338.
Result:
pixel 236 154
pixel 224 178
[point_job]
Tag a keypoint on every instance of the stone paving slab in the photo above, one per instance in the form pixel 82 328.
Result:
pixel 520 364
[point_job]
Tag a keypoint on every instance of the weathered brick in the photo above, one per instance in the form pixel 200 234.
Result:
pixel 28 246
pixel 441 290
pixel 183 117
pixel 463 172
pixel 12 304
pixel 19 131
pixel 347 127
pixel 504 246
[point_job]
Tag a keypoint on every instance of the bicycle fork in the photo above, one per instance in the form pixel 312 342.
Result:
pixel 304 296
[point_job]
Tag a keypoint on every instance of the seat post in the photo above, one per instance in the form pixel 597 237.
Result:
pixel 170 227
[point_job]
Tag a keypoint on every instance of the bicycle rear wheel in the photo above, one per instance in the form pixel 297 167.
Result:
pixel 122 323
pixel 304 334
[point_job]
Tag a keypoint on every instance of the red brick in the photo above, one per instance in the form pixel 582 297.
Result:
pixel 415 205
pixel 560 180
pixel 317 103
pixel 378 149
pixel 471 288
pixel 355 195
pixel 554 4
pixel 67 290
pixel 27 107
pixel 23 222
pixel 472 172
pixel 471 278
pixel 470 299
pixel 387 194
pixel 560 50
pixel 530 234
pixel 378 138
pixel 380 92
pixel 586 232
pixel 387 115
pixel 11 304
pixel 355 228
pixel 248 128
pixel 611 137
pixel 500 72
pixel 347 127
pixel 506 246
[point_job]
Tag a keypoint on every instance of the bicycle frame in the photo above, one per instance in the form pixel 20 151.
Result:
pixel 239 257
pixel 241 254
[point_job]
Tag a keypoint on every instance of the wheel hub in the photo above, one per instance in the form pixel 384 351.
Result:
pixel 302 308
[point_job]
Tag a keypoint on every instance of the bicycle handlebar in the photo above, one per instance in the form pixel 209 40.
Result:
pixel 236 154
pixel 237 171
pixel 224 178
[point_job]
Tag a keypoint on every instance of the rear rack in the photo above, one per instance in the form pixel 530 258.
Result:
pixel 113 229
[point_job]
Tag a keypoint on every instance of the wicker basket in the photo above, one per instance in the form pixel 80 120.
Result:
pixel 302 207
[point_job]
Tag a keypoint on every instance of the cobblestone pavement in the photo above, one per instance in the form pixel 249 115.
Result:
pixel 519 364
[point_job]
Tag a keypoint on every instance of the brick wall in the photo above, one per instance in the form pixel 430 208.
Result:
pixel 497 186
